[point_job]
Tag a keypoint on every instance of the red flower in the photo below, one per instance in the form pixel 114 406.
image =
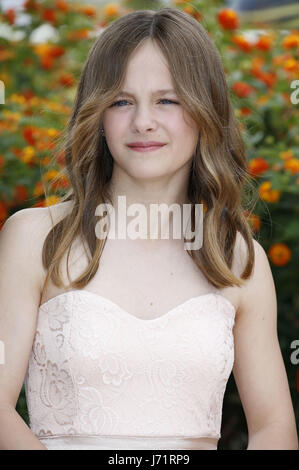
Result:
pixel 20 194
pixel 228 18
pixel 67 79
pixel 61 5
pixel 10 15
pixel 3 212
pixel 47 62
pixel 28 134
pixel 242 89
pixel 264 43
pixel 31 5
pixel 49 14
pixel 257 166
pixel 56 51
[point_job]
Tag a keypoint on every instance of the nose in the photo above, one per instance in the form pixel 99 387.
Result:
pixel 143 120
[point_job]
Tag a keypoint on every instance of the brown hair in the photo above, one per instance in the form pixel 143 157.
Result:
pixel 219 171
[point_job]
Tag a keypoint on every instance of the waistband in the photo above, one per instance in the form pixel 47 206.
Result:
pixel 128 442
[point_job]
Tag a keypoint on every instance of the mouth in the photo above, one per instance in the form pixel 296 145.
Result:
pixel 149 148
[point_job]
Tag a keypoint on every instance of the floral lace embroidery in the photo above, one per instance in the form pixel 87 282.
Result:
pixel 97 370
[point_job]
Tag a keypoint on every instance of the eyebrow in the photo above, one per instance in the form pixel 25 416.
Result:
pixel 157 92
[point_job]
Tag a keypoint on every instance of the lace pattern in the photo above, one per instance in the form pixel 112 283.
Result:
pixel 95 369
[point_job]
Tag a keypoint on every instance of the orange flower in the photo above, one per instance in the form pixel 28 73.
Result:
pixel 66 79
pixel 258 166
pixel 254 220
pixel 61 5
pixel 49 50
pixel 56 51
pixel 264 43
pixel 291 40
pixel 88 10
pixel 10 15
pixel 261 100
pixel 49 14
pixel 62 183
pixel 46 62
pixel 242 42
pixel 3 212
pixel 267 193
pixel 51 200
pixel 28 134
pixel 79 34
pixel 279 254
pixel 49 175
pixel 245 111
pixel 38 189
pixel 20 194
pixel 269 78
pixel 228 18
pixel 5 54
pixel 111 9
pixel 242 89
pixel 279 59
pixel 61 158
pixel 2 161
pixel 191 10
pixel 292 164
pixel 286 155
pixel 31 5
pixel 290 64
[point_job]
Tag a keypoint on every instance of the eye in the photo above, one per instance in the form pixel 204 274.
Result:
pixel 170 101
pixel 116 103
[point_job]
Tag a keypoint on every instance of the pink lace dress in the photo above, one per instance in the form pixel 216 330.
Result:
pixel 101 378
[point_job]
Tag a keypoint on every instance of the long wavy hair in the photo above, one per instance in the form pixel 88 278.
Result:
pixel 219 172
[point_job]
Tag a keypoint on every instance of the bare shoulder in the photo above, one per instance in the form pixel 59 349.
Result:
pixel 42 218
pixel 261 272
pixel 27 230
pixel 260 268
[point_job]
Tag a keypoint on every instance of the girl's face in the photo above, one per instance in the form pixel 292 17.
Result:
pixel 147 114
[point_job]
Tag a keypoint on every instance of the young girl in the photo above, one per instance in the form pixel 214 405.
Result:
pixel 128 342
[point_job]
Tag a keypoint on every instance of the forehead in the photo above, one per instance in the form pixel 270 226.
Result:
pixel 162 91
pixel 147 68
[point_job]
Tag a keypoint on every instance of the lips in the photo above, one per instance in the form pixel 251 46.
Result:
pixel 146 144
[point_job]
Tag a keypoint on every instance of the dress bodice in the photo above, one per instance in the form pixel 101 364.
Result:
pixel 99 377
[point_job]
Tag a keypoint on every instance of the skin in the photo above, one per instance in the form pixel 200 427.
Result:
pixel 153 177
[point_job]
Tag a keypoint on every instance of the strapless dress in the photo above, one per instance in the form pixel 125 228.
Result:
pixel 101 378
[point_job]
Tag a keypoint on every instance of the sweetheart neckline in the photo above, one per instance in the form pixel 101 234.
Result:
pixel 122 310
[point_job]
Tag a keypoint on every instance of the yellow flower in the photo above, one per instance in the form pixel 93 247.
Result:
pixel 111 9
pixel 292 164
pixel 286 155
pixel 38 189
pixel 52 132
pixel 290 64
pixel 49 175
pixel 17 98
pixel 51 200
pixel 267 193
pixel 28 154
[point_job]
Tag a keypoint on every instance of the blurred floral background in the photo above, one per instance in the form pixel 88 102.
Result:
pixel 43 46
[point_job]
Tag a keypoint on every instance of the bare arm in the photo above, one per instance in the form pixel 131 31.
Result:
pixel 20 287
pixel 259 369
